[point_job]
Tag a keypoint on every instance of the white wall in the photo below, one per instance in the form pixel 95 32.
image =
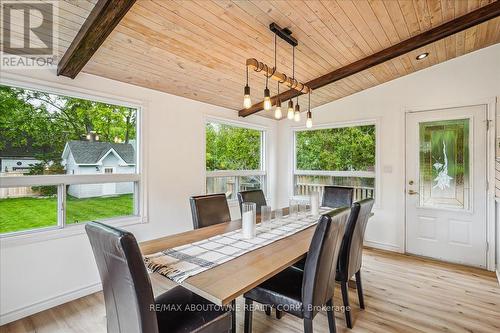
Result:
pixel 40 275
pixel 463 80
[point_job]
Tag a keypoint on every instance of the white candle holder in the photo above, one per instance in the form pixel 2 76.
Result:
pixel 248 219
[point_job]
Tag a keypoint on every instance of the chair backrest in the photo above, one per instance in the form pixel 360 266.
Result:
pixel 337 196
pixel 209 210
pixel 256 196
pixel 351 249
pixel 128 295
pixel 318 283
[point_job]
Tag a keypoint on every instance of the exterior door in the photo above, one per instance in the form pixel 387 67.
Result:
pixel 446 184
pixel 108 188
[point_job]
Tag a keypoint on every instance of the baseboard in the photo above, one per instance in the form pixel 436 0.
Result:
pixel 383 246
pixel 498 275
pixel 51 302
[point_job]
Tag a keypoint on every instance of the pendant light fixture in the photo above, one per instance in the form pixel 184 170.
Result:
pixel 309 122
pixel 277 113
pixel 296 114
pixel 247 101
pixel 291 82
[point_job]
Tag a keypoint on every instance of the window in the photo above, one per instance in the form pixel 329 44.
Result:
pixel 342 156
pixel 65 160
pixel 234 159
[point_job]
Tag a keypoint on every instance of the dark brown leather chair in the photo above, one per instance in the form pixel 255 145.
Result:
pixel 337 196
pixel 333 197
pixel 209 210
pixel 351 252
pixel 128 297
pixel 303 293
pixel 256 196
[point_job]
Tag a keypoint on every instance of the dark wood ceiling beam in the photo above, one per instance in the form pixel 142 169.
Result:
pixel 101 21
pixel 444 30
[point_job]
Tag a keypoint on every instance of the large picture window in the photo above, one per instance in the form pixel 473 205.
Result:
pixel 342 156
pixel 65 160
pixel 234 159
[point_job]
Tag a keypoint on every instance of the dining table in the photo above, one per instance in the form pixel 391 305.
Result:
pixel 224 283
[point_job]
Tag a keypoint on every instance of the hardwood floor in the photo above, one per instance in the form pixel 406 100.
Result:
pixel 402 294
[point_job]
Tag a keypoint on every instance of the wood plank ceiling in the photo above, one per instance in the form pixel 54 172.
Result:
pixel 197 49
pixel 69 15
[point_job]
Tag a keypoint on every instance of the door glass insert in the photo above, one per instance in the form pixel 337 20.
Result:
pixel 444 164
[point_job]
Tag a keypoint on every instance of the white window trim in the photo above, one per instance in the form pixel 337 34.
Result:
pixel 139 178
pixel 367 174
pixel 238 173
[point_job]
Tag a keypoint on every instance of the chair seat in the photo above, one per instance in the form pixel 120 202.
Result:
pixel 180 310
pixel 284 290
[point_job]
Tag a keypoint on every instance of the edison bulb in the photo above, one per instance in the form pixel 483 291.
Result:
pixel 289 114
pixel 309 123
pixel 267 100
pixel 277 113
pixel 296 116
pixel 247 101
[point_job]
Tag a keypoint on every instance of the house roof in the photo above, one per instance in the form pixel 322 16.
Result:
pixel 86 152
pixel 27 150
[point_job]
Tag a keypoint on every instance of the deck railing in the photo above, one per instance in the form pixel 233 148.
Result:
pixel 304 188
pixel 15 192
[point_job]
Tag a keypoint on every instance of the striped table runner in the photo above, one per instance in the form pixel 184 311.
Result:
pixel 184 261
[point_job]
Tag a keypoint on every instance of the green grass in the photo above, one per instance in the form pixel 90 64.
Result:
pixel 17 214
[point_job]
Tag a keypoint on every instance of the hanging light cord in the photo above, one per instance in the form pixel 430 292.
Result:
pixel 293 66
pixel 247 74
pixel 275 66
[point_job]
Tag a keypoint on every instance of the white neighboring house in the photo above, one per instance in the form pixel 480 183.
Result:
pixel 93 157
pixel 18 159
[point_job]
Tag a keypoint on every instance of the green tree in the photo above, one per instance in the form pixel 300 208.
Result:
pixel 232 148
pixel 337 149
pixel 47 121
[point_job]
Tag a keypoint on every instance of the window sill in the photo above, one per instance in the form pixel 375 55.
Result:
pixel 35 236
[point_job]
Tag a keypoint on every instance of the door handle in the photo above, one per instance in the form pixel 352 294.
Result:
pixel 411 192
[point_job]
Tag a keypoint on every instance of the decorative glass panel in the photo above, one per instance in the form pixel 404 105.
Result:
pixel 444 164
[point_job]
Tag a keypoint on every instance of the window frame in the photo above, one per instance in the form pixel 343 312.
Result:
pixel 363 174
pixel 263 171
pixel 138 178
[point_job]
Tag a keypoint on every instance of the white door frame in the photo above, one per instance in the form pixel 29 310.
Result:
pixel 490 104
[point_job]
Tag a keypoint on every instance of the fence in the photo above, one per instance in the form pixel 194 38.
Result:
pixel 15 192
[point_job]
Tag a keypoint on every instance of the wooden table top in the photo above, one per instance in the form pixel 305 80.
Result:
pixel 223 283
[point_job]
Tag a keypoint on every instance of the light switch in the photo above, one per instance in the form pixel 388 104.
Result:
pixel 387 168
